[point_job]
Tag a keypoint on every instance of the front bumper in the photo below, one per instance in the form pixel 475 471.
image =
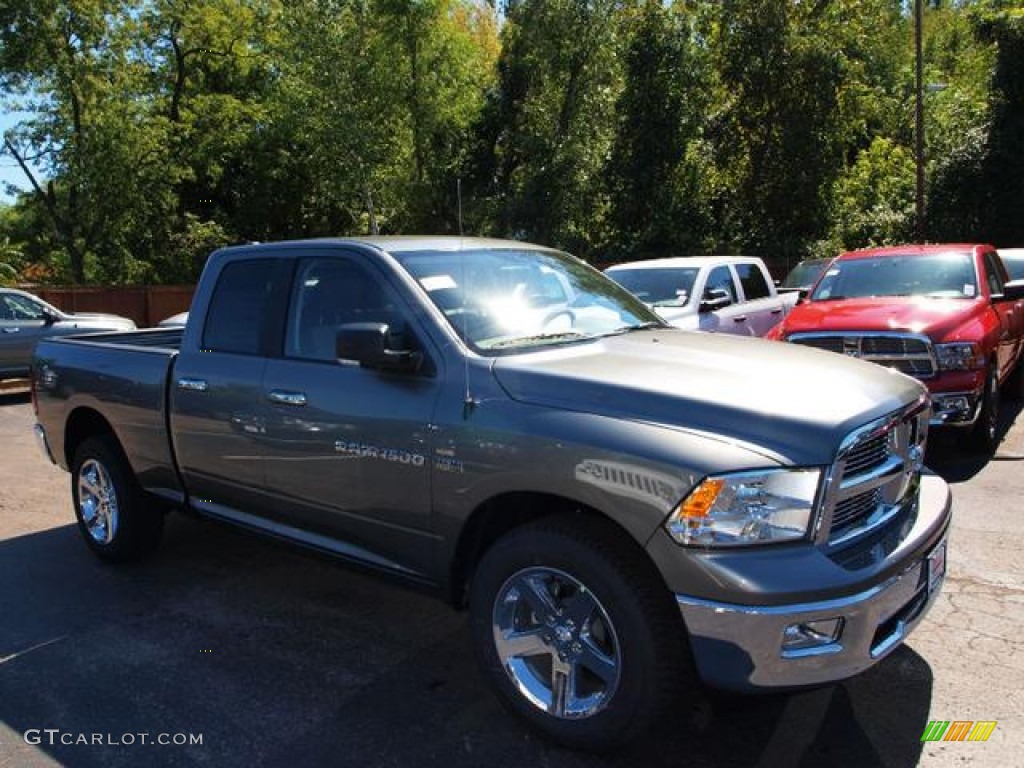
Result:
pixel 743 647
pixel 956 409
pixel 43 443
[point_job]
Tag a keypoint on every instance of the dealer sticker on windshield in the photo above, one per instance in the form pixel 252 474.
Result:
pixel 936 565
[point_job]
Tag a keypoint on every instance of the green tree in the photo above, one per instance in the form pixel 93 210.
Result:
pixel 656 174
pixel 775 124
pixel 548 129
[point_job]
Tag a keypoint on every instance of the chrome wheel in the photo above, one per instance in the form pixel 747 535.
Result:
pixel 97 501
pixel 556 642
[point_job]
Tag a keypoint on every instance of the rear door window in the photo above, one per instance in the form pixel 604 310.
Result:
pixel 241 307
pixel 753 282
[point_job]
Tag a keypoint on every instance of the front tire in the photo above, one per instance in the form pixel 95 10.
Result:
pixel 577 633
pixel 111 509
pixel 984 436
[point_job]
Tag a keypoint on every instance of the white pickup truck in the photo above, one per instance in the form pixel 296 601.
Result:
pixel 723 294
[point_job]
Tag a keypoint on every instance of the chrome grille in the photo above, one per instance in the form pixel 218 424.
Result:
pixel 867 455
pixel 851 511
pixel 876 473
pixel 906 352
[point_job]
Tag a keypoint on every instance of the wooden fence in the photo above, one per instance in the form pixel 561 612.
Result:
pixel 147 305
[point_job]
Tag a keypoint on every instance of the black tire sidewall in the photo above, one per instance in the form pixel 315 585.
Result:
pixel 632 707
pixel 982 439
pixel 138 529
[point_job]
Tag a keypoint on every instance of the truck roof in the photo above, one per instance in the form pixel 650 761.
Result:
pixel 397 243
pixel 912 250
pixel 686 261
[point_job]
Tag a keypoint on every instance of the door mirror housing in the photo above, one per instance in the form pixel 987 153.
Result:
pixel 1012 291
pixel 716 298
pixel 371 345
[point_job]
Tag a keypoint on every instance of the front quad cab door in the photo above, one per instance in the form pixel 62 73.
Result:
pixel 348 448
pixel 721 310
pixel 1009 321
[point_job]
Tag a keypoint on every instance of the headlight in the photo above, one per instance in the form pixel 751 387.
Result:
pixel 746 508
pixel 959 357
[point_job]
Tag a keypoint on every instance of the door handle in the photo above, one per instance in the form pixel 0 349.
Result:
pixel 777 311
pixel 284 397
pixel 192 385
pixel 11 330
pixel 740 319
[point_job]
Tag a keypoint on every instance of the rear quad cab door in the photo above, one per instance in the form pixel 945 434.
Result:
pixel 218 411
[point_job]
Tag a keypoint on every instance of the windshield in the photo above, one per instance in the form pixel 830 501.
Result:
pixel 501 300
pixel 658 287
pixel 804 274
pixel 939 275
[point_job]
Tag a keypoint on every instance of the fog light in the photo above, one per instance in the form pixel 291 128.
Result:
pixel 809 636
pixel 953 408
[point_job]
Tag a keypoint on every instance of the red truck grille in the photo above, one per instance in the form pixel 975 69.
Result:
pixel 876 473
pixel 906 352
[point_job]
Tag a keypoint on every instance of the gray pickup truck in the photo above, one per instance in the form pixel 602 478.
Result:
pixel 622 507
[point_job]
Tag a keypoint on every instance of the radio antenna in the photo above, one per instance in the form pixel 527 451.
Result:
pixel 458 195
pixel 467 402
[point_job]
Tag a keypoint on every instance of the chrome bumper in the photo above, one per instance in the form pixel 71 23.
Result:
pixel 43 443
pixel 956 409
pixel 742 647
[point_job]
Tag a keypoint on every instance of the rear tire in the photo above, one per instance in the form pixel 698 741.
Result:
pixel 577 633
pixel 111 509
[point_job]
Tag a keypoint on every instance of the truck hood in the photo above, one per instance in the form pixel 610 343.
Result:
pixel 935 318
pixel 790 403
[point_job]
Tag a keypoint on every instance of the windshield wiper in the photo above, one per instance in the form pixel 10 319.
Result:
pixel 538 338
pixel 635 327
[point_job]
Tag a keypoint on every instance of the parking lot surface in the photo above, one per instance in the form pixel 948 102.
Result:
pixel 269 656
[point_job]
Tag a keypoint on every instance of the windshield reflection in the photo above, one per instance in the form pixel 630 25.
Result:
pixel 501 300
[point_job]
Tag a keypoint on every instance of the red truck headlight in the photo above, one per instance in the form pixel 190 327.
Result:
pixel 959 356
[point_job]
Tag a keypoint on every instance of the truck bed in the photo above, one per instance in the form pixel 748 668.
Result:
pixel 122 378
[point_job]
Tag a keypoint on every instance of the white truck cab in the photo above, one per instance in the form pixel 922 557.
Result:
pixel 718 294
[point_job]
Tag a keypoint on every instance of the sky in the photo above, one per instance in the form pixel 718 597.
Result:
pixel 9 170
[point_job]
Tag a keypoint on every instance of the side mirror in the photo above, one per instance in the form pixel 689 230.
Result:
pixel 49 318
pixel 716 298
pixel 1012 291
pixel 369 344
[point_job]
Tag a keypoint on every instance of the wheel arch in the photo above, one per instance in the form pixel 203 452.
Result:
pixel 82 423
pixel 508 511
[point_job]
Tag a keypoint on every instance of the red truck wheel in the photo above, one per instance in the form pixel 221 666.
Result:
pixel 985 434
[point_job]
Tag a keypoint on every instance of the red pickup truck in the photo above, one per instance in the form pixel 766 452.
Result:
pixel 946 314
